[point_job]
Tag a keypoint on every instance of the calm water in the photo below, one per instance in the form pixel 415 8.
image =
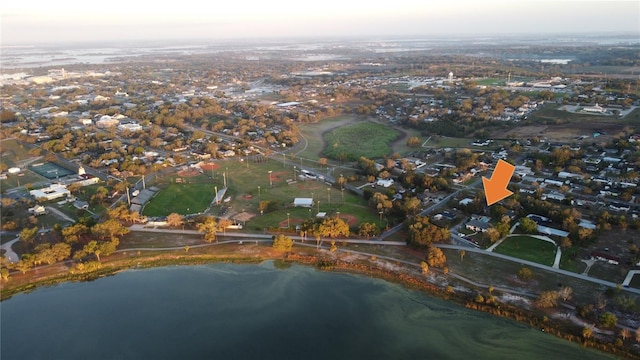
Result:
pixel 225 311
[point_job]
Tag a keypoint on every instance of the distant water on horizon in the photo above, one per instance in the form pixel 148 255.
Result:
pixel 230 311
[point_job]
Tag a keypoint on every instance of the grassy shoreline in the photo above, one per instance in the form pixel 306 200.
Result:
pixel 405 276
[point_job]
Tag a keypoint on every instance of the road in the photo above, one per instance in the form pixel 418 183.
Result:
pixel 9 254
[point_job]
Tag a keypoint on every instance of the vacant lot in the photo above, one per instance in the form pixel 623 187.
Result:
pixel 528 248
pixel 368 139
pixel 559 125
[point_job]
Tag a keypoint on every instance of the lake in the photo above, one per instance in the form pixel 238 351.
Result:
pixel 228 311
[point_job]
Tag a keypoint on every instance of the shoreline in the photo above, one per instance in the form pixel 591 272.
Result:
pixel 403 276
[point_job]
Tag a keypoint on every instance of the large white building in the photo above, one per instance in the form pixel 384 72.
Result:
pixel 52 192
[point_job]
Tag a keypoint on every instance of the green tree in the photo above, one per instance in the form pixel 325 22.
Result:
pixel 28 234
pixel 71 234
pixel 608 320
pixel 4 273
pixel 528 226
pixel 282 243
pixel 208 227
pixel 435 257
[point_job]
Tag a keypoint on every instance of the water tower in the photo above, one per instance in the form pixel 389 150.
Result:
pixel 451 76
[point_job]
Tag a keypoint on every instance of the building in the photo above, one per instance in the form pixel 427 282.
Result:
pixel 37 210
pixel 303 202
pixel 52 192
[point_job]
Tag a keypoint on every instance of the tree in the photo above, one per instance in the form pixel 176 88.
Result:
pixel 547 299
pixel 28 234
pixel 368 229
pixel 322 162
pixel 528 226
pixel 175 220
pixel 4 273
pixel 608 320
pixel 413 141
pixel 525 274
pixel 282 243
pixel 492 235
pixel 625 334
pixel 425 267
pixel 462 254
pixel 109 230
pixel 587 332
pixel 333 227
pixel 435 257
pixel 422 233
pixel 638 334
pixel 333 247
pixel 72 233
pixel 565 293
pixel 208 227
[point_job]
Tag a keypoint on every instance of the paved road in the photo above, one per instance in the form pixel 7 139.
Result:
pixel 10 255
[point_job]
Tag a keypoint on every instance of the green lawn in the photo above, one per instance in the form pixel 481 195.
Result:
pixel 368 139
pixel 528 248
pixel 185 198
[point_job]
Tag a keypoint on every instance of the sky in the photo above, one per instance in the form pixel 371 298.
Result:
pixel 46 21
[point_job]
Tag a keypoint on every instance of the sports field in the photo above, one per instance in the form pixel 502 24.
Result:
pixel 191 196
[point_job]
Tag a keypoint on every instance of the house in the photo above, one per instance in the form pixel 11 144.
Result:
pixel 465 201
pixel 384 182
pixel 477 226
pixel 37 210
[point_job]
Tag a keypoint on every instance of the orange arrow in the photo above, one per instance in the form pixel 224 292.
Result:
pixel 496 188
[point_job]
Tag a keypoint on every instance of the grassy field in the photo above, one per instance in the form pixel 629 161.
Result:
pixel 315 143
pixel 368 139
pixel 183 198
pixel 528 248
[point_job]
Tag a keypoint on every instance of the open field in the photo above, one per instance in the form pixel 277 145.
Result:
pixel 315 143
pixel 528 248
pixel 498 272
pixel 368 139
